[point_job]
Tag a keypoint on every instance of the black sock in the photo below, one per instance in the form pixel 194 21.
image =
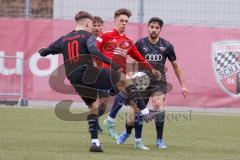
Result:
pixel 159 123
pixel 129 128
pixel 138 124
pixel 93 125
pixel 134 95
pixel 98 125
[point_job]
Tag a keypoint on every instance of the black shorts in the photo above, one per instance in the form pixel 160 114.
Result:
pixel 87 83
pixel 155 86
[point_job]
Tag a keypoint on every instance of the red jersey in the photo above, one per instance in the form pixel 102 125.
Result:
pixel 117 47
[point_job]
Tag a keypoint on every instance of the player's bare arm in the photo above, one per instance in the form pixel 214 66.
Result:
pixel 180 78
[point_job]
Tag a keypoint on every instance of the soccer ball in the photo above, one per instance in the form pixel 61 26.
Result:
pixel 142 80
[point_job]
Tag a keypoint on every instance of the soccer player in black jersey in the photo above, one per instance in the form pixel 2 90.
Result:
pixel 78 48
pixel 156 51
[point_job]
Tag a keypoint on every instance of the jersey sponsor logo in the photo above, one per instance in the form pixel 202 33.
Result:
pixel 226 66
pixel 153 57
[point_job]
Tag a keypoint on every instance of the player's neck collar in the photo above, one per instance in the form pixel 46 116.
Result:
pixel 148 39
pixel 117 32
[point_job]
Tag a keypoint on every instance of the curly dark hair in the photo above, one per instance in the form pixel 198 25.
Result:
pixel 156 19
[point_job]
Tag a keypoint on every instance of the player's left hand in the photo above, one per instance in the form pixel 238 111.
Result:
pixel 156 73
pixel 184 91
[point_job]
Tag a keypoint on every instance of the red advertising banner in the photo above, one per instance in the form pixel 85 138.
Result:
pixel 208 57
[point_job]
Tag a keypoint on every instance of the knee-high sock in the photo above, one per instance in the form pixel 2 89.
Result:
pixel 138 125
pixel 129 128
pixel 92 125
pixel 117 105
pixel 98 125
pixel 159 123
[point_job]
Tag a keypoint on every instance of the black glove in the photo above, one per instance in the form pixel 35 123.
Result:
pixel 43 52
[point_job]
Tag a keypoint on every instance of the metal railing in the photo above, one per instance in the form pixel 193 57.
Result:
pixel 12 79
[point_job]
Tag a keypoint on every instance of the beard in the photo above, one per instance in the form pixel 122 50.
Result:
pixel 153 35
pixel 97 32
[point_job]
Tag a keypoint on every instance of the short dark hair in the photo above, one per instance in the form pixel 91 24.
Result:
pixel 83 15
pixel 123 11
pixel 97 19
pixel 156 19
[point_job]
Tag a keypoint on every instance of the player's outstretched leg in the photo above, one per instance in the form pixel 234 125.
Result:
pixel 134 96
pixel 109 122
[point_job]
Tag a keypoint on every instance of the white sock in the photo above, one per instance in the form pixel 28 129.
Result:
pixel 145 111
pixel 110 119
pixel 96 141
pixel 138 140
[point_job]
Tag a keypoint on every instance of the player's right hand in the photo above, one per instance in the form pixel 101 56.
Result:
pixel 184 91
